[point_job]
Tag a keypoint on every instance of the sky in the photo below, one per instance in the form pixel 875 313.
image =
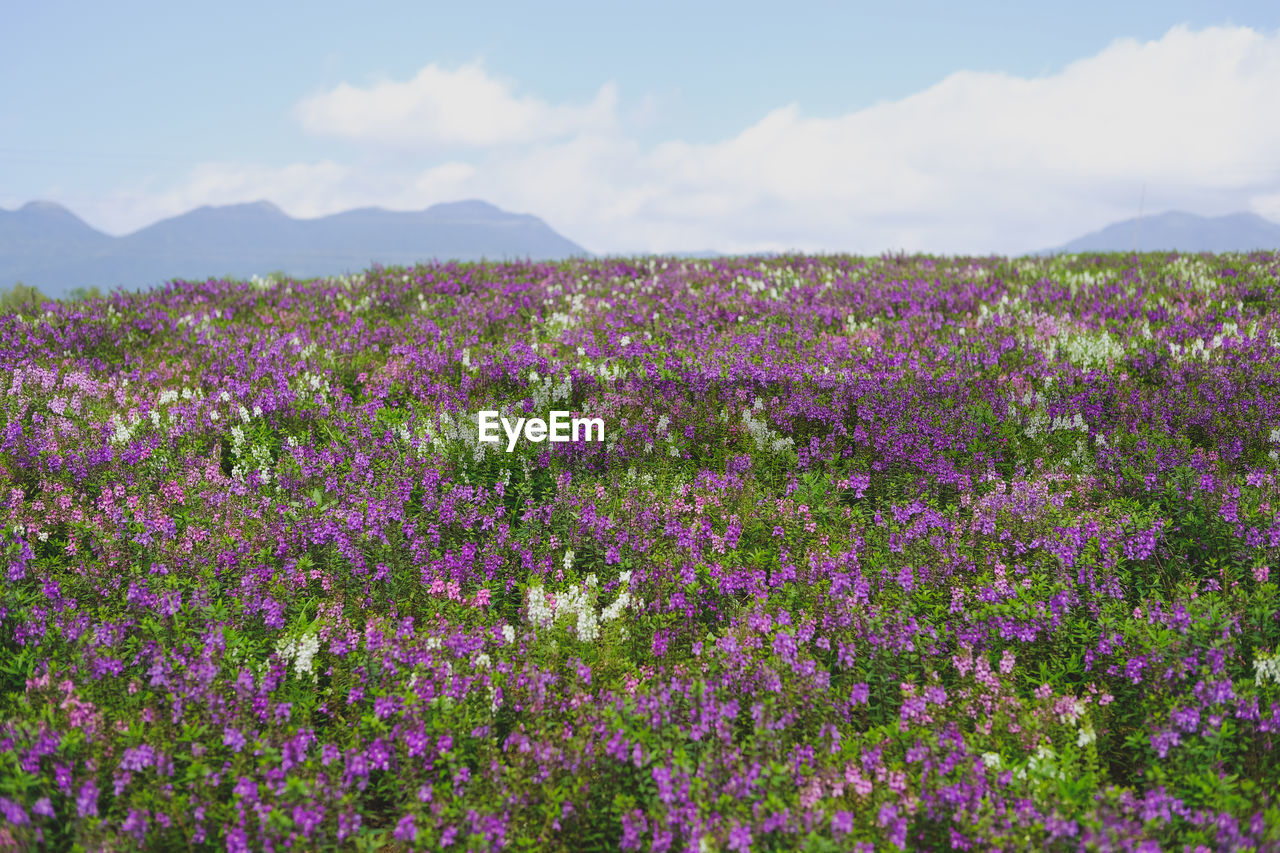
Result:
pixel 983 127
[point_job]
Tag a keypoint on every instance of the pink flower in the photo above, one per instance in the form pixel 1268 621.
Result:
pixel 1006 662
pixel 482 598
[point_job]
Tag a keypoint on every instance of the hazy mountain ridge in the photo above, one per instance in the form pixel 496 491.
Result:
pixel 1180 232
pixel 44 245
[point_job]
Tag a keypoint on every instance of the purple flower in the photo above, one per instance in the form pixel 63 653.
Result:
pixel 378 755
pixel 246 788
pixel 1162 741
pixel 43 807
pixel 87 800
pixel 233 738
pixel 784 646
pixel 1187 719
pixel 137 758
pixel 308 819
pixel 348 824
pixel 238 840
pixel 405 830
pixel 385 706
pixel 136 824
pixel 13 812
pixel 633 825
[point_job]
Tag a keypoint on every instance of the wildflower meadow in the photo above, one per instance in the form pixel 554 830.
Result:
pixel 876 553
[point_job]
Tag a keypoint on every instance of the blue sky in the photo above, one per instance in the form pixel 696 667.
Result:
pixel 740 126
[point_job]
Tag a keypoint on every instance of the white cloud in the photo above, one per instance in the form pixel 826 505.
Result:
pixel 1267 206
pixel 978 162
pixel 303 190
pixel 441 182
pixel 300 187
pixel 441 107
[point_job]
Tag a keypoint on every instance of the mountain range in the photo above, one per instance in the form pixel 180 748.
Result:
pixel 48 247
pixel 1179 232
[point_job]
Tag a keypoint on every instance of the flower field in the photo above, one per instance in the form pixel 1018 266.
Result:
pixel 877 553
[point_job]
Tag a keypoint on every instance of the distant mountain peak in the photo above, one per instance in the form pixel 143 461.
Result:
pixel 44 247
pixel 49 211
pixel 40 206
pixel 474 210
pixel 41 221
pixel 260 206
pixel 468 205
pixel 263 204
pixel 1179 231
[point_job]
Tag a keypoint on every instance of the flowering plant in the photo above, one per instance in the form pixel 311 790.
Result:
pixel 876 553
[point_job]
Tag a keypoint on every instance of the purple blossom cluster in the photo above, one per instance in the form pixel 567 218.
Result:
pixel 877 553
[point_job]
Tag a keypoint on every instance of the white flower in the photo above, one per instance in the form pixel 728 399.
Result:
pixel 308 647
pixel 1266 667
pixel 1073 713
pixel 588 627
pixel 1086 736
pixel 991 759
pixel 302 651
pixel 568 559
pixel 539 611
pixel 122 433
pixel 613 611
pixel 508 634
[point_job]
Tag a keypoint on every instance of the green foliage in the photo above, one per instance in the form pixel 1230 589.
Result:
pixel 84 294
pixel 22 299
